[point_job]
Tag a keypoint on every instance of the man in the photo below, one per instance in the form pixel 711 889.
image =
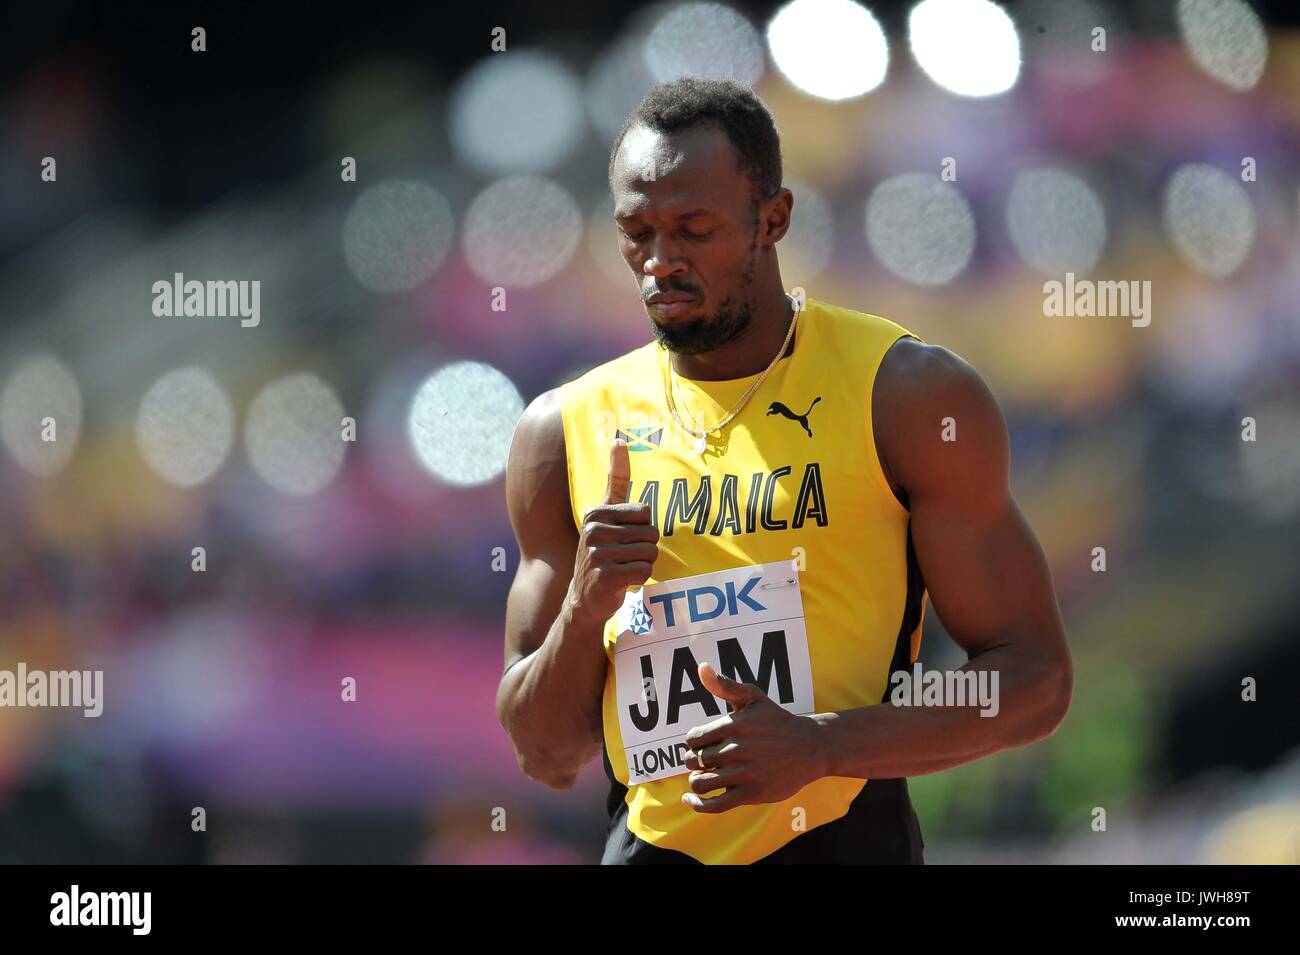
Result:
pixel 802 478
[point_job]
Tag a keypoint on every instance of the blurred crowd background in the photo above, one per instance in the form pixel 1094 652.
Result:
pixel 387 558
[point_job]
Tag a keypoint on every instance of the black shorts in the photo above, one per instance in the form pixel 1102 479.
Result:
pixel 880 828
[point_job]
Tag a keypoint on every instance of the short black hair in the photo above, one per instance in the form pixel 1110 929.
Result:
pixel 733 107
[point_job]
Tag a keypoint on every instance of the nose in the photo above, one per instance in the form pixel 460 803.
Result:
pixel 661 261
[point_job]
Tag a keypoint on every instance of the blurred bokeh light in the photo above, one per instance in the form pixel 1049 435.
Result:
pixel 473 265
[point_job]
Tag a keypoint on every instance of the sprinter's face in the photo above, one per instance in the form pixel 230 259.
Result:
pixel 688 227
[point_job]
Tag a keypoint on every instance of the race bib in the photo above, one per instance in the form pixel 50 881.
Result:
pixel 747 622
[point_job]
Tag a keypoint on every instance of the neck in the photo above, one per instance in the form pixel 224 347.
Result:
pixel 749 353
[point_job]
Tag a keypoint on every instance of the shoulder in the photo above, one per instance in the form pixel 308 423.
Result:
pixel 846 323
pixel 537 447
pixel 540 431
pixel 913 371
pixel 537 481
pixel 537 472
pixel 541 420
pixel 853 342
pixel 935 420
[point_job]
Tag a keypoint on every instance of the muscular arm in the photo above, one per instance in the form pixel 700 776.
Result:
pixel 549 697
pixel 985 572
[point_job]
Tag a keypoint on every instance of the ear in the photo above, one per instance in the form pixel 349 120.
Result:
pixel 774 216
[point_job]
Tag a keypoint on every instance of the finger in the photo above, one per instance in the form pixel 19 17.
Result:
pixel 632 574
pixel 739 695
pixel 620 473
pixel 624 552
pixel 627 513
pixel 597 533
pixel 718 731
pixel 703 782
pixel 714 804
pixel 719 754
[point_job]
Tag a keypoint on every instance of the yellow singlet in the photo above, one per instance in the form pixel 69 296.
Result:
pixel 792 483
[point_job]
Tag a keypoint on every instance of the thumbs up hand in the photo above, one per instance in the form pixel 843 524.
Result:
pixel 616 549
pixel 758 753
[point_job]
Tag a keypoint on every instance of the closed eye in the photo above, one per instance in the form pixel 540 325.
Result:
pixel 642 236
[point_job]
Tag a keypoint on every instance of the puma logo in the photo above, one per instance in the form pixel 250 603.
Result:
pixel 778 408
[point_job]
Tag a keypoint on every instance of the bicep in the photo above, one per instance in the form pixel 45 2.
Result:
pixel 986 574
pixel 537 496
pixel 535 598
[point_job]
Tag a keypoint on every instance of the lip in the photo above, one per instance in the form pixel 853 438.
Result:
pixel 671 309
pixel 671 304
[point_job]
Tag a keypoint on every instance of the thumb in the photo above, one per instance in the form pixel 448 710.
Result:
pixel 620 474
pixel 739 695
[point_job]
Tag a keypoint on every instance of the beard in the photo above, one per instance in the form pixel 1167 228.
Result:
pixel 707 333
pixel 704 334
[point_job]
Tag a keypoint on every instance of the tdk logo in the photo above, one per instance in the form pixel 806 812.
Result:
pixel 640 621
pixel 723 600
